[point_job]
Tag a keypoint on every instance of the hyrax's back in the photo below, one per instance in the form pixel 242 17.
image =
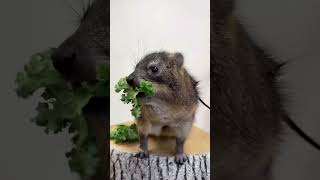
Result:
pixel 247 107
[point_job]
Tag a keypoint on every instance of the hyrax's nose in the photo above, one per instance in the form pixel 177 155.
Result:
pixel 63 60
pixel 130 81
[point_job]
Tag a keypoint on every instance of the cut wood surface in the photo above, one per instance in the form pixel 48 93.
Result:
pixel 161 164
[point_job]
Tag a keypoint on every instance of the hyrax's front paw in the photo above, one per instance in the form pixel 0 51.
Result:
pixel 142 154
pixel 180 158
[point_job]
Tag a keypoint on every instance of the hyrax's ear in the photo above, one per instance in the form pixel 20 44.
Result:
pixel 177 59
pixel 222 8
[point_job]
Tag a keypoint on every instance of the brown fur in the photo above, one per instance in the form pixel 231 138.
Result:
pixel 181 100
pixel 248 109
pixel 179 114
pixel 171 111
pixel 183 92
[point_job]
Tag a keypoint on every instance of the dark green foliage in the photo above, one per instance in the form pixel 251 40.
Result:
pixel 124 133
pixel 61 107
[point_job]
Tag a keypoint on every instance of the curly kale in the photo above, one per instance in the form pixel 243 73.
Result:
pixel 129 94
pixel 124 133
pixel 61 107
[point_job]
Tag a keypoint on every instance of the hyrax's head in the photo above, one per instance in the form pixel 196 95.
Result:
pixel 78 56
pixel 159 68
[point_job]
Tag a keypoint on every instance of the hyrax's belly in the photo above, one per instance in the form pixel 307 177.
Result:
pixel 164 117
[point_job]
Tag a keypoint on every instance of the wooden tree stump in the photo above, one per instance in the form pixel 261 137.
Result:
pixel 160 164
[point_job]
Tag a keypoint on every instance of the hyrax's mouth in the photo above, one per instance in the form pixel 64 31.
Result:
pixel 141 88
pixel 141 95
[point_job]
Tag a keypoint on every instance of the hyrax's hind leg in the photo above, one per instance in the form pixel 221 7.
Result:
pixel 182 133
pixel 144 129
pixel 143 146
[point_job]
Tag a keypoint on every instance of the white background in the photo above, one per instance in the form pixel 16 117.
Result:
pixel 139 27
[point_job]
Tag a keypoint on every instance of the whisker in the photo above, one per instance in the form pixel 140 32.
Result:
pixel 73 9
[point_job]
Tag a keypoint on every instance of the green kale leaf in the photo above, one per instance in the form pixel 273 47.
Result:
pixel 124 133
pixel 129 94
pixel 61 107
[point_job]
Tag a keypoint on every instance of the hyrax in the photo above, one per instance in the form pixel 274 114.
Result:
pixel 171 111
pixel 79 55
pixel 248 103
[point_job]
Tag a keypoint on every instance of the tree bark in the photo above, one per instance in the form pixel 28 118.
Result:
pixel 160 165
pixel 124 165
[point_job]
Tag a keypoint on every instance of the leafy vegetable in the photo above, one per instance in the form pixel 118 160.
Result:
pixel 61 107
pixel 125 133
pixel 129 94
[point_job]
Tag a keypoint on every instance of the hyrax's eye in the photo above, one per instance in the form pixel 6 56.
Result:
pixel 154 69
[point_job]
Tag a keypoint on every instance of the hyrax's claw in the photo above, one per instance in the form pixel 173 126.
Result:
pixel 142 154
pixel 180 158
